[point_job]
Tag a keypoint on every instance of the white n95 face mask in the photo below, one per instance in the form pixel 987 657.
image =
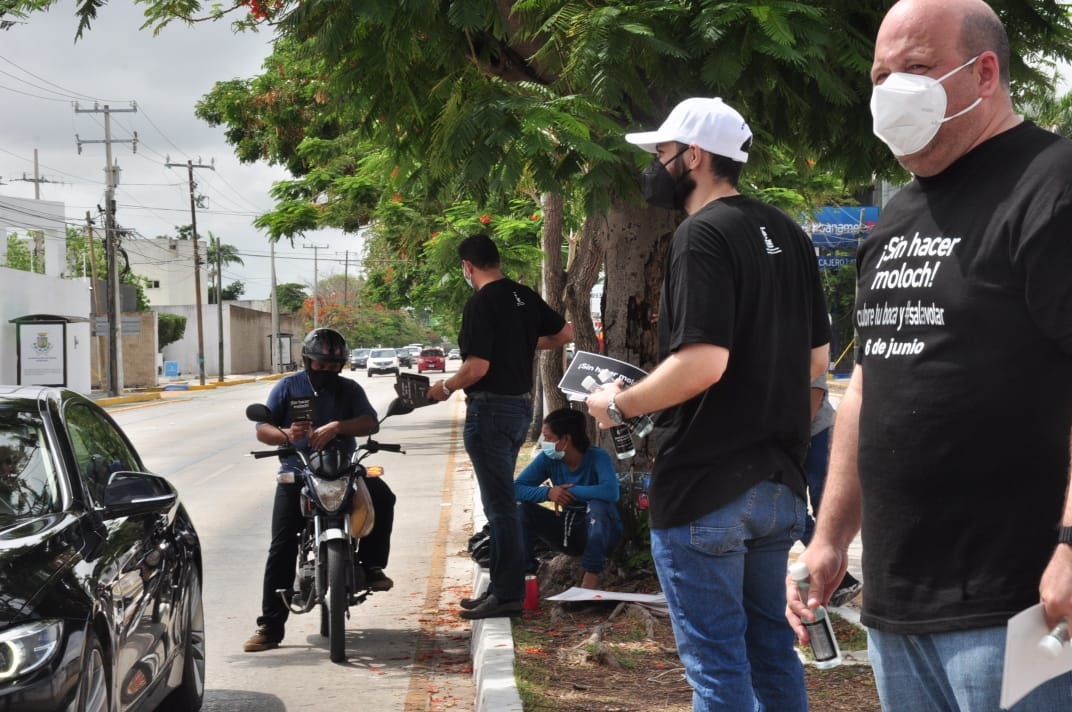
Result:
pixel 908 109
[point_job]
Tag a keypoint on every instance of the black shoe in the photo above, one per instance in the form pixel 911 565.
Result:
pixel 848 589
pixel 471 603
pixel 492 607
pixel 377 580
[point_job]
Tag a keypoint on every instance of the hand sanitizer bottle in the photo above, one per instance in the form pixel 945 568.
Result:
pixel 824 646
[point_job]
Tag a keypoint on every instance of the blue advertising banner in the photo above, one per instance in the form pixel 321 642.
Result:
pixel 840 227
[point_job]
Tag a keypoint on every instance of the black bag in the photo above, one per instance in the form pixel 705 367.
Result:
pixel 479 547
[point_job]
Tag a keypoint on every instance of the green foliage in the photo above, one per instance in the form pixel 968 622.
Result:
pixel 24 254
pixel 169 329
pixel 291 297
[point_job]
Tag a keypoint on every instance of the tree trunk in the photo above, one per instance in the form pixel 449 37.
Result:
pixel 637 239
pixel 554 281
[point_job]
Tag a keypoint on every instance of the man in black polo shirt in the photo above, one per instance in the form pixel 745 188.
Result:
pixel 502 326
pixel 742 332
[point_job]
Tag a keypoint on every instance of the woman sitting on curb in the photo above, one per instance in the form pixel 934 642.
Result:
pixel 584 491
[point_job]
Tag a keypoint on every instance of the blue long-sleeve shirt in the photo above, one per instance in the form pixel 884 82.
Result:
pixel 594 478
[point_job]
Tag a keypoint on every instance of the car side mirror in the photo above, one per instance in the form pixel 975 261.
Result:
pixel 131 494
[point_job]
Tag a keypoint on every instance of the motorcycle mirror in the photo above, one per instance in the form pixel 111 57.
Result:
pixel 258 413
pixel 399 407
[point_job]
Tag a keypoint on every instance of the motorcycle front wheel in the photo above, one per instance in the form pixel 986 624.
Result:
pixel 333 603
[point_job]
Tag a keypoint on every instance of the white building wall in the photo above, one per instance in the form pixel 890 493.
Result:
pixel 21 216
pixel 25 293
pixel 169 266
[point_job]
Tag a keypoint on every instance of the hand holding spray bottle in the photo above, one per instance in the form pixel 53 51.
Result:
pixel 824 645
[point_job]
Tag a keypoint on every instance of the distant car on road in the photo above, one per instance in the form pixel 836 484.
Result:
pixel 359 358
pixel 100 566
pixel 382 361
pixel 454 354
pixel 405 358
pixel 431 359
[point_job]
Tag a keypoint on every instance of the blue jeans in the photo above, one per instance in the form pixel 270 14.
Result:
pixel 495 428
pixel 953 672
pixel 815 465
pixel 591 532
pixel 724 579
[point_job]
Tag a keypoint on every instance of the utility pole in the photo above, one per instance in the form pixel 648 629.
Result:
pixel 316 293
pixel 111 240
pixel 37 180
pixel 190 166
pixel 219 301
pixel 277 362
pixel 345 276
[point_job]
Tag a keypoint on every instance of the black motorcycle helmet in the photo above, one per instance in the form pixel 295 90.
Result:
pixel 325 345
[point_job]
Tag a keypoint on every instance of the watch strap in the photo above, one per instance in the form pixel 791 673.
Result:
pixel 613 413
pixel 1064 535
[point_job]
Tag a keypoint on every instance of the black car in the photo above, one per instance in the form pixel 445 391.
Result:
pixel 358 359
pixel 405 357
pixel 100 566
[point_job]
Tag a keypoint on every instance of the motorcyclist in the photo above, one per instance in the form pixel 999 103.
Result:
pixel 316 408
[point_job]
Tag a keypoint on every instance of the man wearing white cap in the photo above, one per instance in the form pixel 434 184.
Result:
pixel 742 332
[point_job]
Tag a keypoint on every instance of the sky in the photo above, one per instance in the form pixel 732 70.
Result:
pixel 44 73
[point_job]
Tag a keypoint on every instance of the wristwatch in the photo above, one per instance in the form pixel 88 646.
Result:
pixel 613 413
pixel 446 391
pixel 1064 535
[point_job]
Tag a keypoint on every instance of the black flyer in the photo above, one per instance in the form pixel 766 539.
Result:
pixel 588 372
pixel 301 409
pixel 412 388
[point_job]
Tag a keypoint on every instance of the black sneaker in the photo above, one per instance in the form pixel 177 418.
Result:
pixel 848 589
pixel 471 603
pixel 492 607
pixel 377 580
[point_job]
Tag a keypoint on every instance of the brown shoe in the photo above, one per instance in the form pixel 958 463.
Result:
pixel 261 640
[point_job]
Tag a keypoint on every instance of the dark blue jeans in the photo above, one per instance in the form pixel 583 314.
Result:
pixel 495 428
pixel 591 531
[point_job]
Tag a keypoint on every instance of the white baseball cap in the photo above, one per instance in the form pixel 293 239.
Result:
pixel 711 124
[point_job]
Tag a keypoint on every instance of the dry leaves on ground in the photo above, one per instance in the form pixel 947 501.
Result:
pixel 617 657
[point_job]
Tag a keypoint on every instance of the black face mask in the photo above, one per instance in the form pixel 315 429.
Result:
pixel 661 189
pixel 322 379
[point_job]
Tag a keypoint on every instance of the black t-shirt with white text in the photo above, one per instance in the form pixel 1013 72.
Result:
pixel 964 323
pixel 742 275
pixel 501 324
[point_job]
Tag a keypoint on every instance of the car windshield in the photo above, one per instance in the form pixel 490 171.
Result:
pixel 358 352
pixel 382 353
pixel 28 483
pixel 431 352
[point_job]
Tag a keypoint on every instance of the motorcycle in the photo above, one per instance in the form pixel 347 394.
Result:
pixel 338 511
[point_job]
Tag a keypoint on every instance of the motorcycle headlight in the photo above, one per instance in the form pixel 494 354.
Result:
pixel 28 647
pixel 330 492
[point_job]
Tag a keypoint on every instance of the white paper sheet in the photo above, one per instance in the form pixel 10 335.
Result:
pixel 1026 665
pixel 576 593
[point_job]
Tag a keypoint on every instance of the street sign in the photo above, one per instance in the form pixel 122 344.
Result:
pixel 128 326
pixel 826 262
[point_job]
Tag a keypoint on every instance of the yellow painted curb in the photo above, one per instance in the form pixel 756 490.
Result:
pixel 132 398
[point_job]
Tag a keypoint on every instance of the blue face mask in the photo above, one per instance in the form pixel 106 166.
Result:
pixel 551 452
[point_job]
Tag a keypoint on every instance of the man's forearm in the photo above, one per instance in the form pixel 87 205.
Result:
pixel 683 375
pixel 840 513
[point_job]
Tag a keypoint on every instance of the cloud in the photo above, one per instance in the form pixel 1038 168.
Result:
pixel 45 75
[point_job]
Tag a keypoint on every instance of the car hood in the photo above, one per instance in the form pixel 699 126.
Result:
pixel 33 552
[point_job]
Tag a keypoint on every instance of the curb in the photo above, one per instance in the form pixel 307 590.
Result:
pixel 491 645
pixel 152 394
